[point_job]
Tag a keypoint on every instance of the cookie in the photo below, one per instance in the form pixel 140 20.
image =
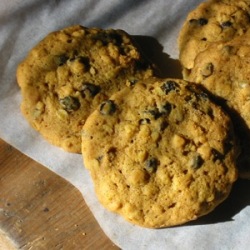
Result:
pixel 223 69
pixel 160 154
pixel 212 21
pixel 69 73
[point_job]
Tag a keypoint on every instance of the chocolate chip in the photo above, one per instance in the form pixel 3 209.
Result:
pixel 89 89
pixel 151 165
pixel 108 107
pixel 169 86
pixel 70 103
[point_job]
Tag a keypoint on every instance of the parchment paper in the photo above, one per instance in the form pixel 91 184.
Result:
pixel 22 25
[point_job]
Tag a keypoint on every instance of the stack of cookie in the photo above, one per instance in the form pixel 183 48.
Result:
pixel 214 48
pixel 161 152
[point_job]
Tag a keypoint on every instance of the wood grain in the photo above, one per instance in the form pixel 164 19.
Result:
pixel 40 210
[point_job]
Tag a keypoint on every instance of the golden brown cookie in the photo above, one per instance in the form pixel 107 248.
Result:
pixel 212 21
pixel 223 69
pixel 69 73
pixel 161 154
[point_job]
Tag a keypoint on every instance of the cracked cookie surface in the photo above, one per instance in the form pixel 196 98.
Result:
pixel 160 154
pixel 69 73
pixel 212 21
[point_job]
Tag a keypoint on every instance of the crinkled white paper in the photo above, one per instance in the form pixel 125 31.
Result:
pixel 23 24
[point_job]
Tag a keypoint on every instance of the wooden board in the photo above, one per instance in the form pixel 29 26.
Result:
pixel 40 210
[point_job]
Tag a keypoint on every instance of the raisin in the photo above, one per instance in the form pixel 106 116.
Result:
pixel 207 70
pixel 91 90
pixel 200 21
pixel 197 162
pixel 99 158
pixel 228 145
pixel 144 121
pixel 163 126
pixel 188 98
pixel 198 92
pixel 131 82
pixel 226 24
pixel 107 37
pixel 151 165
pixel 108 107
pixel 166 108
pixel 202 95
pixel 61 59
pixel 116 38
pixel 83 60
pixel 217 155
pixel 169 86
pixel 228 49
pixel 193 21
pixel 154 113
pixel 70 103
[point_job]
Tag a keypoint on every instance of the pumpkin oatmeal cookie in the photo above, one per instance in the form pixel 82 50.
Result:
pixel 160 154
pixel 69 73
pixel 223 69
pixel 212 21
